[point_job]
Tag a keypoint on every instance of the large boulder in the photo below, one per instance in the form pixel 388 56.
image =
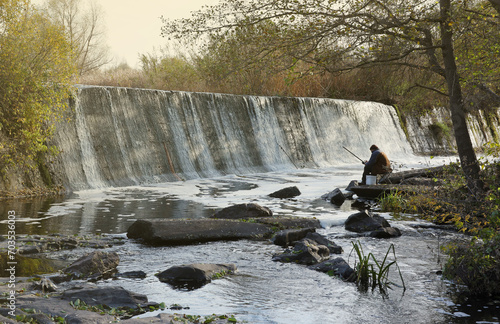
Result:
pixel 284 193
pixel 113 297
pixel 192 231
pixel 304 252
pixel 243 211
pixel 95 265
pixel 337 267
pixel 195 275
pixel 365 221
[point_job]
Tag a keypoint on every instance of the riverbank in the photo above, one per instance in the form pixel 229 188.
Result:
pixel 447 200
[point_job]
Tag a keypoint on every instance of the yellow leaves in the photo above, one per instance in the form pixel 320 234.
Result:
pixel 34 71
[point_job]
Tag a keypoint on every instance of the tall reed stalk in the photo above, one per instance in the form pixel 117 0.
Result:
pixel 371 273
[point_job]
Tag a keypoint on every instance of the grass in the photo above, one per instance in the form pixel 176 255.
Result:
pixel 372 273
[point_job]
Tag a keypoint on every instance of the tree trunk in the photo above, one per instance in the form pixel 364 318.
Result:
pixel 468 159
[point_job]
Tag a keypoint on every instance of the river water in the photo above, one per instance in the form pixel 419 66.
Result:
pixel 263 291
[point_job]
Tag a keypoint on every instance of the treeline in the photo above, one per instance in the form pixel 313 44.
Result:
pixel 198 73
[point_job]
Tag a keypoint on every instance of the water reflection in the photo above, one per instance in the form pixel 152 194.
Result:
pixel 113 214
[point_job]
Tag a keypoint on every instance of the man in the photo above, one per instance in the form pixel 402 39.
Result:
pixel 377 164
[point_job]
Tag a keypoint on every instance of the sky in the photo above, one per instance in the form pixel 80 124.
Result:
pixel 133 27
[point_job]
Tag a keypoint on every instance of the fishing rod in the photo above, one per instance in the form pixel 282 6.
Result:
pixel 353 154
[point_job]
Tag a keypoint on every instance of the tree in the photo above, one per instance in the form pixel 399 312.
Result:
pixel 340 36
pixel 35 78
pixel 85 31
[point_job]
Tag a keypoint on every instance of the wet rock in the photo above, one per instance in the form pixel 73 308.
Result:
pixel 304 252
pixel 195 275
pixel 336 197
pixel 320 239
pixel 353 183
pixel 6 320
pixel 284 193
pixel 49 243
pixel 243 211
pixel 192 231
pixel 116 297
pixel 365 221
pixel 58 307
pixel 132 274
pixel 363 203
pixel 95 265
pixel 386 232
pixel 336 267
pixel 288 237
pixel 283 223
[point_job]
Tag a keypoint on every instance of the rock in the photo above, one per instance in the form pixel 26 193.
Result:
pixel 364 222
pixel 58 307
pixel 353 183
pixel 192 231
pixel 305 252
pixel 195 275
pixel 336 197
pixel 6 320
pixel 132 274
pixel 363 203
pixel 243 211
pixel 336 267
pixel 288 237
pixel 97 264
pixel 290 222
pixel 320 239
pixel 116 297
pixel 48 243
pixel 386 232
pixel 284 193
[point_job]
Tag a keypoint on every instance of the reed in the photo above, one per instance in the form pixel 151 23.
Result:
pixel 372 273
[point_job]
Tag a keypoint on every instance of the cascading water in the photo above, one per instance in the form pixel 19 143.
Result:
pixel 129 136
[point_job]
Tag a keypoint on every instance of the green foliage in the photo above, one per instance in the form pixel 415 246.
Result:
pixel 371 273
pixel 441 132
pixel 165 71
pixel 476 265
pixel 393 202
pixel 35 76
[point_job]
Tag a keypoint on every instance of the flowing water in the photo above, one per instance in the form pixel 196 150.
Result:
pixel 263 291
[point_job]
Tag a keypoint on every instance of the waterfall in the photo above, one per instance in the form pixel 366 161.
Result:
pixel 121 136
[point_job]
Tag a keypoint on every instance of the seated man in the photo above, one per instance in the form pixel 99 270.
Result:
pixel 377 164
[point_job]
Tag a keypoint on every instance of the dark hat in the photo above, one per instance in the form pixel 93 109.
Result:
pixel 374 147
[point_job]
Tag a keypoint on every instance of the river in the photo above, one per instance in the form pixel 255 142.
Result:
pixel 263 291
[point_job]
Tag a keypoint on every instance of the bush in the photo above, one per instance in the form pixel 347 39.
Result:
pixel 476 266
pixel 35 77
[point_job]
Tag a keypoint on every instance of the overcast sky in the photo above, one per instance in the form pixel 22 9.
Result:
pixel 134 26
